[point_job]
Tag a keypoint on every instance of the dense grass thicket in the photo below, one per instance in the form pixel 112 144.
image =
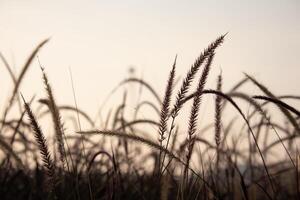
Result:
pixel 254 155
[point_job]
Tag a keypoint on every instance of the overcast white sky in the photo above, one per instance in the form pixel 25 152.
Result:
pixel 100 39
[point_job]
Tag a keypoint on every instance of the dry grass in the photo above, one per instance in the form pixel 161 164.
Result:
pixel 121 158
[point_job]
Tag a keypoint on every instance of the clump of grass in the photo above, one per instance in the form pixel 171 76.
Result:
pixel 188 80
pixel 122 169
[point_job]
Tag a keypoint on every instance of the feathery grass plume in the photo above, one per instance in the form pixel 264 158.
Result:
pixel 270 94
pixel 218 126
pixel 164 114
pixel 194 112
pixel 42 144
pixel 166 104
pixel 58 125
pixel 218 113
pixel 192 72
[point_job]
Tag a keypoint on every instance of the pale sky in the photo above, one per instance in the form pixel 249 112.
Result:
pixel 99 40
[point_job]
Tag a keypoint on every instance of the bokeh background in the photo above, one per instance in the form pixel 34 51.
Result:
pixel 101 40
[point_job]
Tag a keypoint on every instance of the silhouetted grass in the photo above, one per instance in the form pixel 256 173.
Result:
pixel 141 155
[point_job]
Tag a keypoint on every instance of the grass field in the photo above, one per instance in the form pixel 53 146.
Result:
pixel 253 155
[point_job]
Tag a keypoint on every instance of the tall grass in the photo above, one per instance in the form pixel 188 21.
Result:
pixel 233 156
